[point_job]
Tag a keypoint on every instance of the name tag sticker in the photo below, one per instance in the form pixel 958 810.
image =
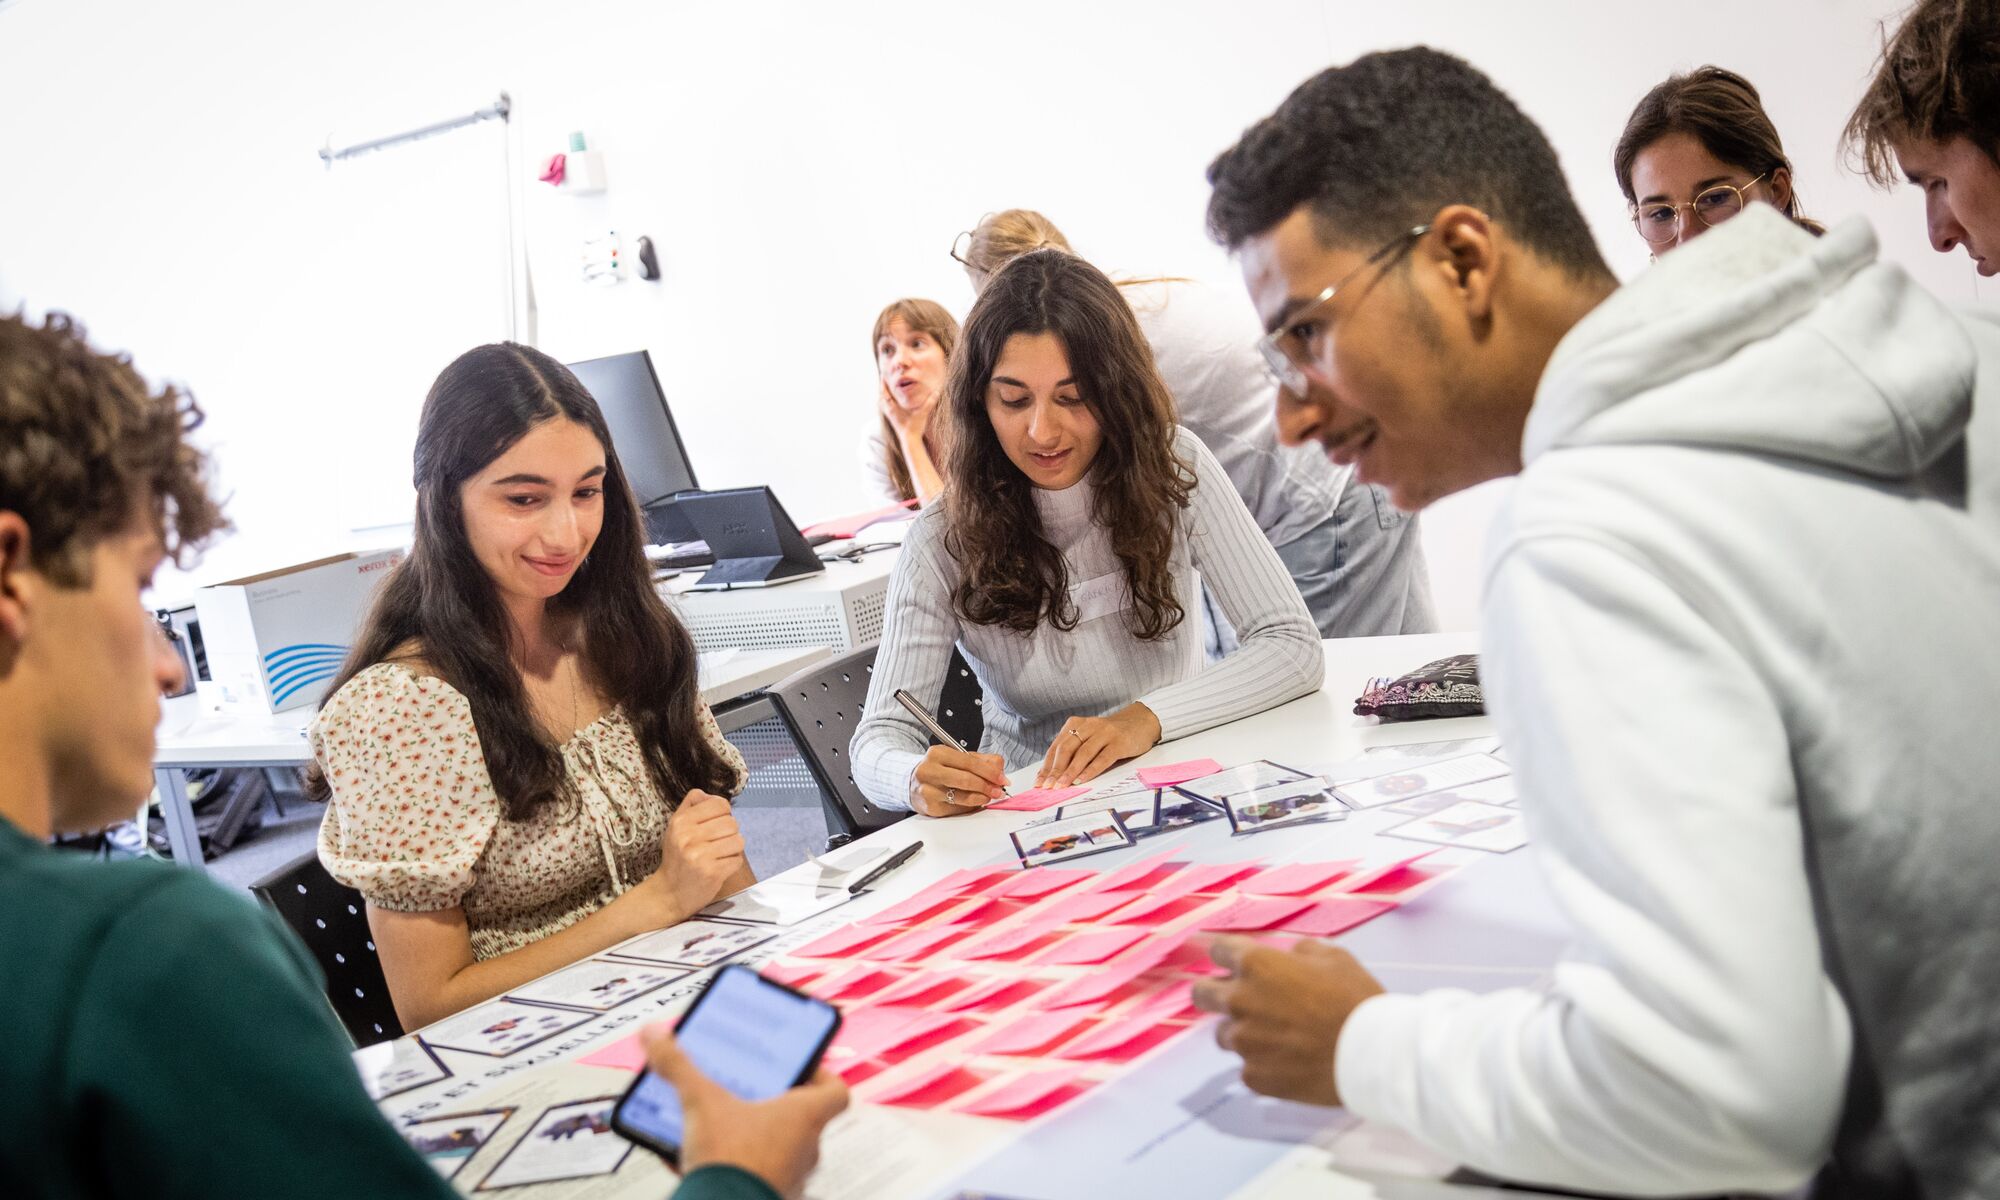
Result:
pixel 1100 597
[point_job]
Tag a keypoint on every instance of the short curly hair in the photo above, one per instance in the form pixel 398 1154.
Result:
pixel 1381 144
pixel 1938 78
pixel 86 446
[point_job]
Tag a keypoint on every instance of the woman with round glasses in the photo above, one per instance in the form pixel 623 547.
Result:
pixel 1696 150
pixel 1062 560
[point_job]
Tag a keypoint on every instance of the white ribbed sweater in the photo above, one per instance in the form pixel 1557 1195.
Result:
pixel 1035 682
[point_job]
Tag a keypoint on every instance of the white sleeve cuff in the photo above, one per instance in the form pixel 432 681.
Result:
pixel 1374 1062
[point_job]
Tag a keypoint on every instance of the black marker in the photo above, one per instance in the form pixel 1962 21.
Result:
pixel 883 868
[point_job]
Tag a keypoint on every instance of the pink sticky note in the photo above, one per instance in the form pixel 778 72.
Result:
pixel 1085 948
pixel 1113 1036
pixel 990 996
pixel 1079 907
pixel 1031 1034
pixel 976 908
pixel 1296 879
pixel 843 941
pixel 1176 1001
pixel 916 944
pixel 918 988
pixel 858 982
pixel 625 1054
pixel 1156 951
pixel 1335 915
pixel 1136 875
pixel 927 1088
pixel 969 879
pixel 1362 881
pixel 878 1029
pixel 1022 1092
pixel 1092 987
pixel 1155 911
pixel 916 908
pixel 791 974
pixel 1218 877
pixel 1169 774
pixel 1014 943
pixel 1037 799
pixel 1039 882
pixel 1252 913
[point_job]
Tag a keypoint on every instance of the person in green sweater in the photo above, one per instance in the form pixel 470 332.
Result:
pixel 160 1037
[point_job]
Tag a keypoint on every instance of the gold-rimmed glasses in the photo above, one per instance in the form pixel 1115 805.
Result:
pixel 1660 222
pixel 1289 349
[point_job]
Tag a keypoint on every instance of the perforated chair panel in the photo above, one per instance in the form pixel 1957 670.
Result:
pixel 332 921
pixel 822 705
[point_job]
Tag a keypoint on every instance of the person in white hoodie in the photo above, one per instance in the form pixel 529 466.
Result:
pixel 1741 639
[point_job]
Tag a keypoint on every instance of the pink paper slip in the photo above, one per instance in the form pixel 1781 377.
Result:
pixel 1137 875
pixel 1014 943
pixel 1021 1093
pixel 1296 879
pixel 625 1054
pixel 1252 913
pixel 973 909
pixel 1079 908
pixel 1092 987
pixel 1083 949
pixel 1169 774
pixel 1030 1035
pixel 1155 911
pixel 1336 915
pixel 927 1088
pixel 916 944
pixel 991 996
pixel 791 975
pixel 1217 877
pixel 918 988
pixel 970 879
pixel 854 523
pixel 1033 885
pixel 1156 952
pixel 916 908
pixel 1383 878
pixel 1037 799
pixel 875 1030
pixel 859 982
pixel 1176 1001
pixel 1114 1036
pixel 843 941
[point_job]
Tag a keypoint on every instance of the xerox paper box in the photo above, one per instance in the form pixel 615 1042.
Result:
pixel 276 640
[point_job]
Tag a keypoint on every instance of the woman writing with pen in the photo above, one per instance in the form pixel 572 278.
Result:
pixel 1061 560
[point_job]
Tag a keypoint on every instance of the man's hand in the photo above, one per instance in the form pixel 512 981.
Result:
pixel 951 782
pixel 776 1140
pixel 1089 746
pixel 1283 1011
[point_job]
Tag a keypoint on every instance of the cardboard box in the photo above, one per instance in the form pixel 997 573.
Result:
pixel 275 640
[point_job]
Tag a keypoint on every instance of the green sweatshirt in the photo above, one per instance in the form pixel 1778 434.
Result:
pixel 162 1038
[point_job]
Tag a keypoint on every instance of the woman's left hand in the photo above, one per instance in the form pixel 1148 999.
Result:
pixel 1089 746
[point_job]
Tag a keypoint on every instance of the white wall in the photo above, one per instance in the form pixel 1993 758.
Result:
pixel 798 164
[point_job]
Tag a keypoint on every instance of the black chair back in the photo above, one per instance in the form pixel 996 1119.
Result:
pixel 960 705
pixel 821 705
pixel 330 919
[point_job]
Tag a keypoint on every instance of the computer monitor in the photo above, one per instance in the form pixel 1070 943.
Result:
pixel 642 426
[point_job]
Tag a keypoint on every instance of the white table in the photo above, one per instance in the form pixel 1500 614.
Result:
pixel 189 738
pixel 1488 925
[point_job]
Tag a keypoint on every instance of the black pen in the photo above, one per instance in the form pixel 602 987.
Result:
pixel 885 866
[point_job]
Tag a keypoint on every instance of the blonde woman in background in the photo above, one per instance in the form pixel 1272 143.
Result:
pixel 1357 559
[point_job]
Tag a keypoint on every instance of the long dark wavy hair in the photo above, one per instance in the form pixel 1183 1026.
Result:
pixel 1010 574
pixel 442 602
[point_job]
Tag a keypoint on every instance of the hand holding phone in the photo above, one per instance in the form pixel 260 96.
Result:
pixel 745 1039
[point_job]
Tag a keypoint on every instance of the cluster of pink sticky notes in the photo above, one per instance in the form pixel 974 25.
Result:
pixel 1028 1094
pixel 920 988
pixel 991 995
pixel 1030 1035
pixel 1252 913
pixel 917 944
pixel 1175 1000
pixel 1169 774
pixel 927 1088
pixel 1093 987
pixel 845 940
pixel 625 1054
pixel 1294 879
pixel 1037 799
pixel 1389 877
pixel 1085 949
pixel 1119 1039
pixel 879 1028
pixel 860 981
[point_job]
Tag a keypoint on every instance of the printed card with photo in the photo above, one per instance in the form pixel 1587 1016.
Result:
pixel 1419 781
pixel 1470 824
pixel 1175 809
pixel 1217 788
pixel 448 1143
pixel 403 1064
pixel 499 1028
pixel 1134 806
pixel 569 1141
pixel 1281 805
pixel 1500 790
pixel 692 943
pixel 1075 837
pixel 780 903
pixel 598 985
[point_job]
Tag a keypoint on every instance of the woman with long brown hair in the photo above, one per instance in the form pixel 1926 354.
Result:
pixel 1062 559
pixel 913 340
pixel 1698 148
pixel 519 767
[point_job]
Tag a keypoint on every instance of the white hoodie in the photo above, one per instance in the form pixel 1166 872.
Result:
pixel 1731 586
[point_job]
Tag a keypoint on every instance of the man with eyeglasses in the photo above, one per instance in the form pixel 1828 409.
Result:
pixel 1738 640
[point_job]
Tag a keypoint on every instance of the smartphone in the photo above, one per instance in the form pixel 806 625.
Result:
pixel 753 1036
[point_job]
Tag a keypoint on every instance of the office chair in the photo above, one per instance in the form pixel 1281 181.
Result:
pixel 329 918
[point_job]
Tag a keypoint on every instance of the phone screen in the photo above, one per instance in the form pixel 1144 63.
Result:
pixel 755 1037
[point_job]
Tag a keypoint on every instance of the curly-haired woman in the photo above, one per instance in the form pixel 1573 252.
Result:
pixel 1062 559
